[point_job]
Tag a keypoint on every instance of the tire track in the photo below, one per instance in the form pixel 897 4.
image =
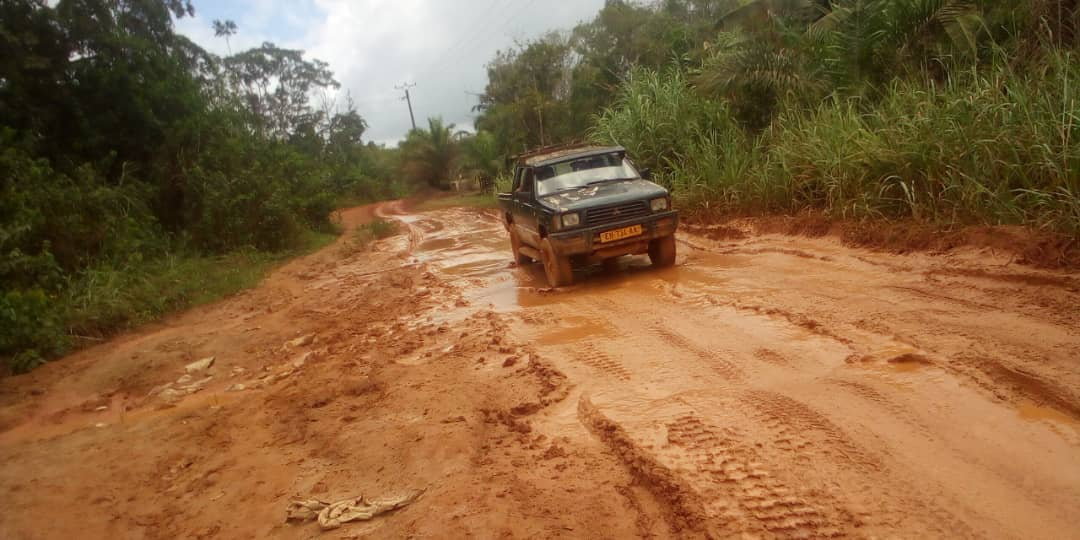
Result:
pixel 715 483
pixel 746 494
pixel 684 508
pixel 600 361
pixel 891 407
pixel 813 439
pixel 798 427
pixel 723 367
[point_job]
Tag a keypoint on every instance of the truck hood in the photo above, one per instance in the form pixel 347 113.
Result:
pixel 602 195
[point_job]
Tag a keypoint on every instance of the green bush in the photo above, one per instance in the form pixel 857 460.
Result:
pixel 33 328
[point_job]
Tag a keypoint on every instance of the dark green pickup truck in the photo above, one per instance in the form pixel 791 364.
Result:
pixel 584 204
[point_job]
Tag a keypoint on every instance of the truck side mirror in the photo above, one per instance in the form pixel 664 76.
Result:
pixel 646 174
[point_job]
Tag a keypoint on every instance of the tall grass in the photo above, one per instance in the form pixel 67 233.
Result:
pixel 992 146
pixel 110 296
pixel 693 145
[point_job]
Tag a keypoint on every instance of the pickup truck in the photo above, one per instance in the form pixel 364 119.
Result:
pixel 585 204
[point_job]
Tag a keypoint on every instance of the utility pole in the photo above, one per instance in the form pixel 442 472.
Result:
pixel 540 115
pixel 408 100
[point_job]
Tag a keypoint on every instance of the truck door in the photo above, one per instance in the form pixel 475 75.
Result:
pixel 525 216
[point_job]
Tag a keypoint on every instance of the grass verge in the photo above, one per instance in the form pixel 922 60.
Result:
pixel 108 298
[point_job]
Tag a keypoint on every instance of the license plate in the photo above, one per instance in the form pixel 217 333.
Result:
pixel 619 234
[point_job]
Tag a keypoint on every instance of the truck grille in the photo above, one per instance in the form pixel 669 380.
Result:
pixel 614 214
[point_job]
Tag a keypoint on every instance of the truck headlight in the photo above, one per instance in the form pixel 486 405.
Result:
pixel 659 205
pixel 570 220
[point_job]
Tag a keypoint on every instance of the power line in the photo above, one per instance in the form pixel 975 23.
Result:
pixel 471 33
pixel 477 37
pixel 467 41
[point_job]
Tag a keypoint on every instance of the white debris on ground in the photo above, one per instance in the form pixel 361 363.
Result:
pixel 170 394
pixel 200 365
pixel 334 515
pixel 301 341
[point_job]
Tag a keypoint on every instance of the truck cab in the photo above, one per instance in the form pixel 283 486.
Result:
pixel 583 204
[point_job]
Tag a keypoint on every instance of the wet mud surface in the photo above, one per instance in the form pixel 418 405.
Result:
pixel 765 386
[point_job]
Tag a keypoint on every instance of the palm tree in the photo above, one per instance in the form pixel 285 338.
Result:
pixel 480 155
pixel 430 155
pixel 225 29
pixel 874 37
pixel 806 49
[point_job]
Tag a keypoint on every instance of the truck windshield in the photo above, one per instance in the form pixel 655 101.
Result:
pixel 581 172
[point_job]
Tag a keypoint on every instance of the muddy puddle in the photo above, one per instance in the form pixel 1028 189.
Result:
pixel 468 245
pixel 572 329
pixel 1036 413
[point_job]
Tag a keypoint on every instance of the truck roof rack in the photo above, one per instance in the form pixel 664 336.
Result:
pixel 547 150
pixel 561 149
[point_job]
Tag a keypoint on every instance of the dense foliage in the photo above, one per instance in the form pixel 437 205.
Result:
pixel 942 110
pixel 134 165
pixel 437 155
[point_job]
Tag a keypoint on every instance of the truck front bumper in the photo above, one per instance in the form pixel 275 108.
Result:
pixel 586 242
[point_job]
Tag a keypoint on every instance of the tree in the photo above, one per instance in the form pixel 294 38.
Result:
pixel 480 156
pixel 225 29
pixel 525 101
pixel 806 50
pixel 123 144
pixel 276 83
pixel 430 155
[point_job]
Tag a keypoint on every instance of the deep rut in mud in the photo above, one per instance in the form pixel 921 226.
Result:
pixel 767 386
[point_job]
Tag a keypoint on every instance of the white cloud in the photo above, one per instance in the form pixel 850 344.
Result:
pixel 372 45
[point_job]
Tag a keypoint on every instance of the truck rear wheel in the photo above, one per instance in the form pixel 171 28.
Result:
pixel 515 246
pixel 558 269
pixel 662 251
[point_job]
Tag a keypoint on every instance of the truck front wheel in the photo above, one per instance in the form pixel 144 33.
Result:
pixel 515 246
pixel 558 269
pixel 662 251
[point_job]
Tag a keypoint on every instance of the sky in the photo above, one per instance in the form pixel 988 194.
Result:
pixel 372 46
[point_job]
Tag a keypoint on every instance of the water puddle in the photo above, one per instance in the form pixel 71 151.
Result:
pixel 897 359
pixel 474 266
pixel 516 287
pixel 1035 413
pixel 908 363
pixel 718 260
pixel 437 244
pixel 574 329
pixel 468 246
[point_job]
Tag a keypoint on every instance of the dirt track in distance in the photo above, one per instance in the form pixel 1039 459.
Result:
pixel 769 386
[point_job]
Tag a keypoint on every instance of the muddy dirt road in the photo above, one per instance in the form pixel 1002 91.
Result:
pixel 766 386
